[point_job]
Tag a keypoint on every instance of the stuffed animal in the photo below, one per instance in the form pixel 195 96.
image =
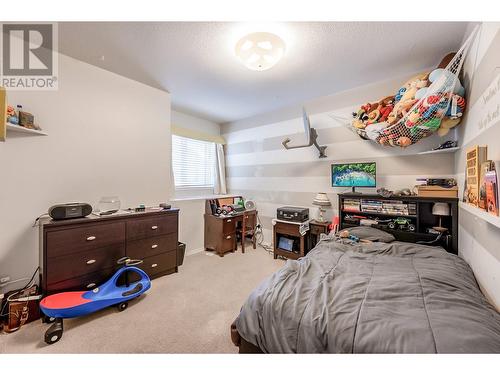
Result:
pixel 404 142
pixel 446 81
pixel 447 124
pixel 386 106
pixel 399 94
pixel 373 131
pixel 412 86
pixel 12 115
pixel 373 116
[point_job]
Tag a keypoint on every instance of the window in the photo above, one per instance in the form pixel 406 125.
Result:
pixel 193 162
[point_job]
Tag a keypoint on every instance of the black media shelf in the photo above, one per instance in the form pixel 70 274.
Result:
pixel 423 220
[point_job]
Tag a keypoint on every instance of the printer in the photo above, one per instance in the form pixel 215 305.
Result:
pixel 294 214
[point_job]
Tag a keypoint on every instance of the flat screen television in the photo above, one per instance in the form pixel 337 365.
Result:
pixel 354 175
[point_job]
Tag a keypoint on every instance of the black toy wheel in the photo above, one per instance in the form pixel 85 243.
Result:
pixel 48 319
pixel 411 228
pixel 122 306
pixel 391 225
pixel 54 333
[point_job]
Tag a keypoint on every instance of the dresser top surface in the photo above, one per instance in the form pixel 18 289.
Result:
pixel 92 218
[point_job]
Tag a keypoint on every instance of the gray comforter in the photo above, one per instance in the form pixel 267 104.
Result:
pixel 371 298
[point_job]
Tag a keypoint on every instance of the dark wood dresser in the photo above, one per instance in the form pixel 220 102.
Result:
pixel 80 254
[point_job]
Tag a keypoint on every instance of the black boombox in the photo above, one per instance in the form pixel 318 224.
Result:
pixel 70 211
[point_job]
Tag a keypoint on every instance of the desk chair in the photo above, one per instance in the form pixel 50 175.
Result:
pixel 248 226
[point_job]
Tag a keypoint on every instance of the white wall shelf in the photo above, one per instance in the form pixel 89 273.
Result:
pixel 20 129
pixel 486 216
pixel 442 151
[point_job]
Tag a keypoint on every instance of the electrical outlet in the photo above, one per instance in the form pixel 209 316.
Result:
pixel 4 280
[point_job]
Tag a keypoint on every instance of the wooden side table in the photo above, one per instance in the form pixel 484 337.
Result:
pixel 291 231
pixel 315 230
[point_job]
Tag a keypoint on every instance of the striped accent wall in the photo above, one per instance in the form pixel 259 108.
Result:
pixel 478 240
pixel 259 168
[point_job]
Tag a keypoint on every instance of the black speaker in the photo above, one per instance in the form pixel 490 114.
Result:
pixel 70 211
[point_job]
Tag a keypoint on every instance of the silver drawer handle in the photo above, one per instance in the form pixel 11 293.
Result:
pixel 228 220
pixel 90 261
pixel 154 227
pixel 91 285
pixel 154 265
pixel 91 238
pixel 154 246
pixel 228 237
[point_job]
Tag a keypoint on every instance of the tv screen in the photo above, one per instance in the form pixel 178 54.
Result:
pixel 354 175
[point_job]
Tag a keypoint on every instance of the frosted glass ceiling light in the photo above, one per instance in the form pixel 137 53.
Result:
pixel 260 51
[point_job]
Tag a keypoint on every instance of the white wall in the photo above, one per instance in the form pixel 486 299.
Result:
pixel 191 221
pixel 191 122
pixel 478 240
pixel 108 135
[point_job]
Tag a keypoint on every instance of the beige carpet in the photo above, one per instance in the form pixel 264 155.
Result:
pixel 187 312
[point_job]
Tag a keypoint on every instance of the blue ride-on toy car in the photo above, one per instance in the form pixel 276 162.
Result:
pixel 73 304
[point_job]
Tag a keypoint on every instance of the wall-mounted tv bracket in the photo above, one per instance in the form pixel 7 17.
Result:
pixel 311 137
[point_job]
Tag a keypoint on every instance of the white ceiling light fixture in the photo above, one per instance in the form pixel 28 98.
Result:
pixel 260 51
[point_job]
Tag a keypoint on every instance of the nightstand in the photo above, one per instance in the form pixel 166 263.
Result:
pixel 315 229
pixel 290 231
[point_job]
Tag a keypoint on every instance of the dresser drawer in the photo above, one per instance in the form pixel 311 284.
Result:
pixel 85 282
pixel 155 265
pixel 82 263
pixel 228 242
pixel 157 226
pixel 73 240
pixel 140 249
pixel 228 225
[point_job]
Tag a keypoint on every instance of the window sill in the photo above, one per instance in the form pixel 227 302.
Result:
pixel 202 197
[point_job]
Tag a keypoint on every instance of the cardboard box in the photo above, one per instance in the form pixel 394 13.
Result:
pixel 437 191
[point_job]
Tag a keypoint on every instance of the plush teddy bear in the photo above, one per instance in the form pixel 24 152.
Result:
pixel 12 115
pixel 413 85
pixel 386 107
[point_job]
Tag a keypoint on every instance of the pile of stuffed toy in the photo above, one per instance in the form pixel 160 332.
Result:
pixel 427 103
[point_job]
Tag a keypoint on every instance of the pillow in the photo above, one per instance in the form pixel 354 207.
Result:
pixel 371 234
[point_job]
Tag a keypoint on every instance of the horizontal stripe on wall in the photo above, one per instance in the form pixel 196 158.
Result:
pixel 400 165
pixel 318 184
pixel 301 199
pixel 329 136
pixel 352 151
pixel 295 125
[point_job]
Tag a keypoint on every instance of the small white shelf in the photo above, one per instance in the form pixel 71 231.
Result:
pixel 486 216
pixel 20 129
pixel 442 151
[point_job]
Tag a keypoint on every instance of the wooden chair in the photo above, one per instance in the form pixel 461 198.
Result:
pixel 248 227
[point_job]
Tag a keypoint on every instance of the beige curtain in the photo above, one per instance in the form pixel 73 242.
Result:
pixel 220 170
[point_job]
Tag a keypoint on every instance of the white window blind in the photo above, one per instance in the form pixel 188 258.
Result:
pixel 193 162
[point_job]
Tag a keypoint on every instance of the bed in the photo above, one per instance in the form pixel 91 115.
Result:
pixel 351 297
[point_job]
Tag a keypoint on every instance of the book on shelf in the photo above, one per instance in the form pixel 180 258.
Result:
pixel 490 179
pixel 475 157
pixel 486 167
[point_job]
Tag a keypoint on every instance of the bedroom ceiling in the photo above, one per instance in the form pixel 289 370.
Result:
pixel 195 61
